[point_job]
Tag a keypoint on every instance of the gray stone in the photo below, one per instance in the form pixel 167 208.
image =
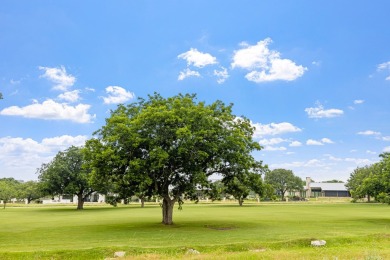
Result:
pixel 318 242
pixel 119 254
pixel 192 252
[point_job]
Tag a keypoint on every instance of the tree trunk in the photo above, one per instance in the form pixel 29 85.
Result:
pixel 142 202
pixel 167 210
pixel 4 204
pixel 368 198
pixel 80 201
pixel 240 201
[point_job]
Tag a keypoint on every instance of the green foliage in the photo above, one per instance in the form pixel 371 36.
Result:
pixel 65 174
pixel 283 180
pixel 170 146
pixel 1 95
pixel 30 190
pixel 371 181
pixel 242 185
pixel 9 189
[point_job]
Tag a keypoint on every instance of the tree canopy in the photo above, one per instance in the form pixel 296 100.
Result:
pixel 371 181
pixel 65 174
pixel 170 146
pixel 8 190
pixel 283 180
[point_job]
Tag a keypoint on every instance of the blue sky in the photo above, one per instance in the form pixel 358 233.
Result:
pixel 312 76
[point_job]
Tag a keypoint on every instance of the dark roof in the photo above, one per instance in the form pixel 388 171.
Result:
pixel 328 186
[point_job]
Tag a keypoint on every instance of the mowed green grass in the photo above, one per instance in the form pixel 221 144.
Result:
pixel 217 230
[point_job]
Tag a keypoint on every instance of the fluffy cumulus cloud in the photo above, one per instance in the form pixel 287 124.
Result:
pixel 384 66
pixel 51 110
pixel 188 73
pixel 70 96
pixel 313 142
pixel 62 80
pixel 274 129
pixel 271 141
pixel 264 64
pixel 295 144
pixel 274 148
pixel 197 59
pixel 319 142
pixel 20 157
pixel 222 75
pixel 320 112
pixel 117 95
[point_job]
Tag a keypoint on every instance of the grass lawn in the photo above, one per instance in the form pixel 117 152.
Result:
pixel 216 230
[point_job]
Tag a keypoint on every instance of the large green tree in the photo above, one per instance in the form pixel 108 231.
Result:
pixel 283 180
pixel 9 188
pixel 66 175
pixel 170 146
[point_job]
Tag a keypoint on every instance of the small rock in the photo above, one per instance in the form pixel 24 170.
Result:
pixel 318 242
pixel 119 254
pixel 192 252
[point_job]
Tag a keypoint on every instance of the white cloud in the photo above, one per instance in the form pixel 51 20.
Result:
pixel 90 89
pixel 295 144
pixel 327 141
pixel 313 142
pixel 384 66
pixel 51 110
pixel 316 63
pixel 20 157
pixel 188 73
pixel 222 75
pixel 370 152
pixel 70 96
pixel 386 138
pixel 197 58
pixel 64 141
pixel 298 164
pixel 273 148
pixel 117 95
pixel 321 142
pixel 59 77
pixel 369 132
pixel 386 149
pixel 358 101
pixel 320 112
pixel 265 64
pixel 358 161
pixel 271 141
pixel 274 129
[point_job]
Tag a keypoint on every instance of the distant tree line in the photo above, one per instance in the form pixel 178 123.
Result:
pixel 371 182
pixel 19 190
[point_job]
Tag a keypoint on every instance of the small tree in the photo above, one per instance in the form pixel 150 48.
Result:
pixel 283 180
pixel 65 174
pixel 30 190
pixel 8 190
